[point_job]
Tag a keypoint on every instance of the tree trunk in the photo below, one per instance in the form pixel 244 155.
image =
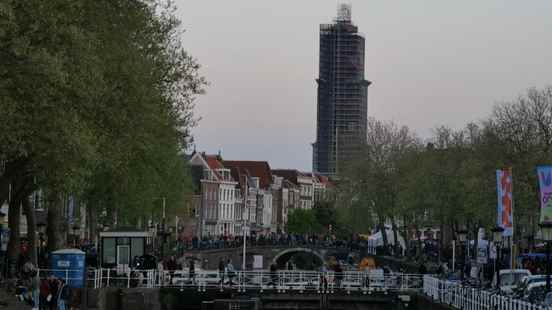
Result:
pixel 476 240
pixel 4 192
pixel 381 225
pixel 91 222
pixel 418 240
pixel 53 231
pixel 396 244
pixel 31 229
pixel 14 243
pixel 12 170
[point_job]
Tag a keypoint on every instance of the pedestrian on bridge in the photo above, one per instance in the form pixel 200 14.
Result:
pixel 230 271
pixel 323 277
pixel 273 274
pixel 191 270
pixel 338 274
pixel 221 269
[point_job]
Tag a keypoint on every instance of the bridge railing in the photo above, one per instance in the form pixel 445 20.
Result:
pixel 280 281
pixel 463 297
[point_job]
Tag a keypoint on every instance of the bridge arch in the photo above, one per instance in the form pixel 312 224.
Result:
pixel 284 256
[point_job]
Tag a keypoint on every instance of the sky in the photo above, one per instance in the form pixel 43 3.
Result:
pixel 431 62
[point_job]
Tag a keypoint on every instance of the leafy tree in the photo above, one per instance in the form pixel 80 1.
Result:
pixel 97 101
pixel 302 221
pixel 451 182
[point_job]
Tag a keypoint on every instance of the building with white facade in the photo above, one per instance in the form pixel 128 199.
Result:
pixel 285 196
pixel 218 196
pixel 255 180
pixel 304 181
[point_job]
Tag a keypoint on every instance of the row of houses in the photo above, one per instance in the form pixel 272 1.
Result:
pixel 231 197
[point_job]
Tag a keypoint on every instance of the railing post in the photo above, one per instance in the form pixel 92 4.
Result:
pixel 96 278
pixel 128 279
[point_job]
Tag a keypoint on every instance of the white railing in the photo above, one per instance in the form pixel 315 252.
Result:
pixel 280 281
pixel 69 276
pixel 462 297
pixel 371 247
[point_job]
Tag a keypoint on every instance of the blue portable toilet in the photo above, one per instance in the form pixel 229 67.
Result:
pixel 69 264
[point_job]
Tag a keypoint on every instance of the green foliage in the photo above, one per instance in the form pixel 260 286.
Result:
pixel 96 99
pixel 301 221
pixel 325 214
pixel 451 180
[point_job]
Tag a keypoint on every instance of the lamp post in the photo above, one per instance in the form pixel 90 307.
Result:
pixel 546 231
pixel 497 238
pixel 41 227
pixel 462 236
pixel 2 215
pixel 163 232
pixel 244 244
pixel 76 235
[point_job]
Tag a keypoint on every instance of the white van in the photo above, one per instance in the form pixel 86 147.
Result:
pixel 510 279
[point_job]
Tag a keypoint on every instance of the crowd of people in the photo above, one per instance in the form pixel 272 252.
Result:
pixel 272 239
pixel 48 293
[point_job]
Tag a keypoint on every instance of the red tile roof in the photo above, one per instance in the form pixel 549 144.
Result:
pixel 214 163
pixel 324 180
pixel 288 174
pixel 259 169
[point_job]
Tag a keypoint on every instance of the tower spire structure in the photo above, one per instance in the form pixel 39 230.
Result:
pixel 342 106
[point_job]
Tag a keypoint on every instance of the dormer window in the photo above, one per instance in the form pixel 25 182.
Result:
pixel 255 181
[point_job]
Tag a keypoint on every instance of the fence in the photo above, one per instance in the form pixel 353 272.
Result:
pixel 69 276
pixel 469 298
pixel 280 281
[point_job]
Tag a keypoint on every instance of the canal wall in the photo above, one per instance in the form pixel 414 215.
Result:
pixel 214 299
pixel 404 265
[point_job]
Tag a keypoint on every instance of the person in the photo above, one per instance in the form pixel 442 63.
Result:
pixel 230 271
pixel 290 266
pixel 273 274
pixel 35 290
pixel 422 269
pixel 323 277
pixel 221 269
pixel 441 270
pixel 191 271
pixel 44 293
pixel 172 266
pixel 64 296
pixel 51 298
pixel 338 274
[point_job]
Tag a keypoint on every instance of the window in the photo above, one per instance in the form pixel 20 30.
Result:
pixel 137 247
pixel 123 241
pixel 109 249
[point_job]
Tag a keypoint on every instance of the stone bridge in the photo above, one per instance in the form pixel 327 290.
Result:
pixel 280 255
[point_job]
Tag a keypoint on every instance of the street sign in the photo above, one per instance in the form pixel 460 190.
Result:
pixel 257 262
pixel 492 251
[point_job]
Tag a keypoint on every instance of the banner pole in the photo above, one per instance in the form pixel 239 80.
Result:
pixel 453 255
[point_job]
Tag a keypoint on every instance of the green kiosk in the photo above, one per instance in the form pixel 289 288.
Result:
pixel 119 247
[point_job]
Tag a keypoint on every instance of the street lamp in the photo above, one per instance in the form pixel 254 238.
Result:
pixel 76 235
pixel 497 238
pixel 2 215
pixel 462 236
pixel 546 231
pixel 163 232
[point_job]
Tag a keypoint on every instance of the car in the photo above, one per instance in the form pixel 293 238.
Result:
pixel 535 292
pixel 519 291
pixel 510 279
pixel 548 300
